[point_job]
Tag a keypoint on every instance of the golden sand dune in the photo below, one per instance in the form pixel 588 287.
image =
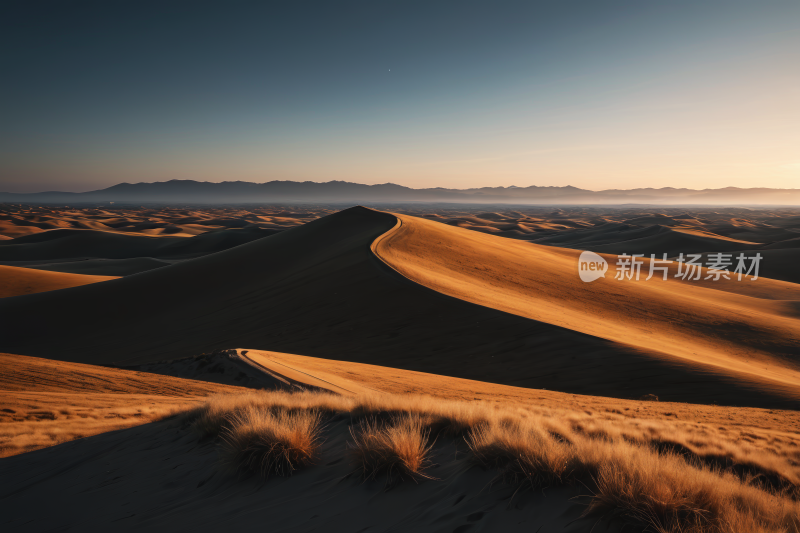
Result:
pixel 21 220
pixel 15 281
pixel 44 402
pixel 467 304
pixel 343 377
pixel 711 323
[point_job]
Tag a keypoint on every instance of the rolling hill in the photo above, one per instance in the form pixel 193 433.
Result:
pixel 371 287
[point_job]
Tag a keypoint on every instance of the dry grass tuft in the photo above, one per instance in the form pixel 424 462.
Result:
pixel 669 495
pixel 272 441
pixel 621 460
pixel 525 452
pixel 400 447
pixel 215 416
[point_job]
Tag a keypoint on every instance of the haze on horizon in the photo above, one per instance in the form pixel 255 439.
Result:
pixel 597 95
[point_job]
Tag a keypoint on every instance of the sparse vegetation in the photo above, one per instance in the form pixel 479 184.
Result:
pixel 27 429
pixel 399 447
pixel 272 441
pixel 625 466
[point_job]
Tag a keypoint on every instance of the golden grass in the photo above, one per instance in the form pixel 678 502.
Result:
pixel 270 441
pixel 624 464
pixel 30 429
pixel 399 447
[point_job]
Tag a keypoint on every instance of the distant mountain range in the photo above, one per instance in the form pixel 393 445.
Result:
pixel 241 192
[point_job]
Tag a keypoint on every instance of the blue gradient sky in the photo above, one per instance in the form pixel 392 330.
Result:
pixel 595 94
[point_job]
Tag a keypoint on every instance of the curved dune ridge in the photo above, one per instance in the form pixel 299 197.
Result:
pixel 467 305
pixel 16 281
pixel 736 326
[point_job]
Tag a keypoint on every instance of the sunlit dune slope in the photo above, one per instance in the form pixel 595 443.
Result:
pixel 15 281
pixel 318 289
pixel 345 377
pixel 44 402
pixel 736 326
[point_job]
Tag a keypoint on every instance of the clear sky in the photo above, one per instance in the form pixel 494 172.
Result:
pixel 596 94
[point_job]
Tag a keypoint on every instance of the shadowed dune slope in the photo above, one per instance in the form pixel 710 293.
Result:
pixel 19 373
pixel 319 290
pixel 751 327
pixel 74 243
pixel 103 267
pixel 15 281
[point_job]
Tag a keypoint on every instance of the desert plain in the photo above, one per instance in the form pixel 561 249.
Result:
pixel 425 367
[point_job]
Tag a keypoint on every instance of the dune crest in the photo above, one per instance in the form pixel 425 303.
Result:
pixel 318 289
pixel 708 323
pixel 16 281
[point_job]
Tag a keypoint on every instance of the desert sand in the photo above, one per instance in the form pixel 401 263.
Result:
pixel 484 308
pixel 368 302
pixel 199 491
pixel 16 281
pixel 47 402
pixel 193 492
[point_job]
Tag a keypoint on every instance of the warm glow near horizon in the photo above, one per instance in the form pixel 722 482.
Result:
pixel 623 95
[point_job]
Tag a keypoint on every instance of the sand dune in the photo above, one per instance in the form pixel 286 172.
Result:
pixel 345 377
pixel 45 402
pixel 15 281
pixel 69 244
pixel 692 323
pixel 318 290
pixel 99 267
pixel 19 220
pixel 159 478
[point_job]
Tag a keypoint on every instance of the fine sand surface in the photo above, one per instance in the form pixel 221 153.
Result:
pixel 105 267
pixel 464 304
pixel 161 476
pixel 45 402
pixel 348 378
pixel 21 220
pixel 641 230
pixel 157 477
pixel 126 241
pixel 72 244
pixel 15 281
pixel 746 328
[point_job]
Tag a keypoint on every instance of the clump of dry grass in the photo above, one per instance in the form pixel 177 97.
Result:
pixel 399 447
pixel 670 495
pixel 272 441
pixel 215 416
pixel 659 490
pixel 525 452
pixel 619 459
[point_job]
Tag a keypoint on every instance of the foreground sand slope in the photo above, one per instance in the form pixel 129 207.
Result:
pixel 164 476
pixel 157 477
pixel 16 281
pixel 319 290
pixel 44 402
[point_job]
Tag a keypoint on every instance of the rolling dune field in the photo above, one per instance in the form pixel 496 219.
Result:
pixel 690 388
